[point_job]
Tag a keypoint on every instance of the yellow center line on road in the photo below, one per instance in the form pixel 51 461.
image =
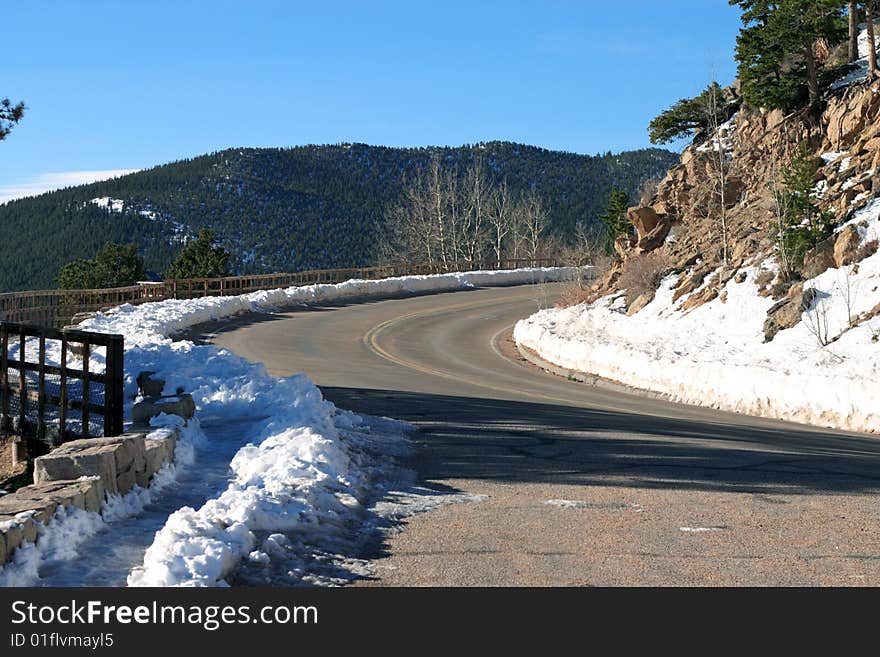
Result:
pixel 372 337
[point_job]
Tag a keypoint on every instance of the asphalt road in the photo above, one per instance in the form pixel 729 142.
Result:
pixel 657 493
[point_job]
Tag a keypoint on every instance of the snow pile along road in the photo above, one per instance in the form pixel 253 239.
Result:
pixel 306 471
pixel 715 354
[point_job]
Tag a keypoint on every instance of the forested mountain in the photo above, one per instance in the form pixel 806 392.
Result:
pixel 288 209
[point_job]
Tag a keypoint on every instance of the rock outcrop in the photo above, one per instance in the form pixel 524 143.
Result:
pixel 682 219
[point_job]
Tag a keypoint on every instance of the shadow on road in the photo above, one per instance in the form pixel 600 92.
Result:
pixel 476 438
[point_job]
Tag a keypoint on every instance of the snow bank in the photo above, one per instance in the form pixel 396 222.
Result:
pixel 305 468
pixel 147 322
pixel 715 354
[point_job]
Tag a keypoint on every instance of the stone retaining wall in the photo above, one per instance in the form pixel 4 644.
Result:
pixel 80 474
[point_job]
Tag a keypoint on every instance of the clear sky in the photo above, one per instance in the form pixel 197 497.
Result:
pixel 128 84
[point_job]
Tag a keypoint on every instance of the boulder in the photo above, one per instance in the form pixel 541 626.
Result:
pixel 181 405
pixel 707 294
pixel 86 493
pixel 640 302
pixel 13 532
pixel 157 455
pixel 150 385
pixel 687 284
pixel 643 219
pixel 651 228
pixel 106 458
pixel 819 258
pixel 734 187
pixel 787 312
pixel 846 245
pixel 655 238
pixel 42 508
pixel 125 481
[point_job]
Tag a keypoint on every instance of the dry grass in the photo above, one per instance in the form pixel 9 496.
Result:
pixel 574 293
pixel 643 273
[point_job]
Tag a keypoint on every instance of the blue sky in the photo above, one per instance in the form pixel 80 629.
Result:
pixel 118 85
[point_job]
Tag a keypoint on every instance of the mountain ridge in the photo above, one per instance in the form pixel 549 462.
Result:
pixel 292 208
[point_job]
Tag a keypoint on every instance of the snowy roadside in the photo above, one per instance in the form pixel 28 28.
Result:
pixel 307 479
pixel 69 527
pixel 715 354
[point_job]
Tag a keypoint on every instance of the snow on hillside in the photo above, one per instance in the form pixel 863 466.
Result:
pixel 860 70
pixel 715 354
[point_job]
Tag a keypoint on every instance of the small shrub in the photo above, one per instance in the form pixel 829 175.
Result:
pixel 643 273
pixel 575 293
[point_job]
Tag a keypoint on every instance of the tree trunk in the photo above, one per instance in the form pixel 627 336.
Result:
pixel 872 45
pixel 812 73
pixel 853 31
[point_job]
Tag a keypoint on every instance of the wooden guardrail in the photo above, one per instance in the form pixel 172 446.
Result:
pixel 57 307
pixel 47 403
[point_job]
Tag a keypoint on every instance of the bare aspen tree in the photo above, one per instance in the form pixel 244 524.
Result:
pixel 476 206
pixel 454 205
pixel 500 220
pixel 422 224
pixel 518 223
pixel 535 224
pixel 720 164
pixel 438 199
pixel 780 213
pixel 447 219
pixel 412 223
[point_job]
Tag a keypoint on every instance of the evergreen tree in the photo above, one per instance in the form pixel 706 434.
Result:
pixel 115 265
pixel 200 259
pixel 614 218
pixel 803 223
pixel 775 49
pixel 692 116
pixel 9 115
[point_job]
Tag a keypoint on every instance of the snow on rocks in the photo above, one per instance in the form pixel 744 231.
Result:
pixel 715 354
pixel 69 526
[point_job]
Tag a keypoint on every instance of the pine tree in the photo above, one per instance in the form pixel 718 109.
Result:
pixel 776 49
pixel 200 259
pixel 115 265
pixel 614 218
pixel 692 116
pixel 803 224
pixel 9 115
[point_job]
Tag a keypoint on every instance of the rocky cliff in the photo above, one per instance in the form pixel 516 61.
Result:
pixel 727 186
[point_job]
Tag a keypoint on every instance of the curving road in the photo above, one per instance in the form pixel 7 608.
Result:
pixel 646 492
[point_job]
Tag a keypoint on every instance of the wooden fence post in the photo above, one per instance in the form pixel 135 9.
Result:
pixel 4 380
pixel 113 382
